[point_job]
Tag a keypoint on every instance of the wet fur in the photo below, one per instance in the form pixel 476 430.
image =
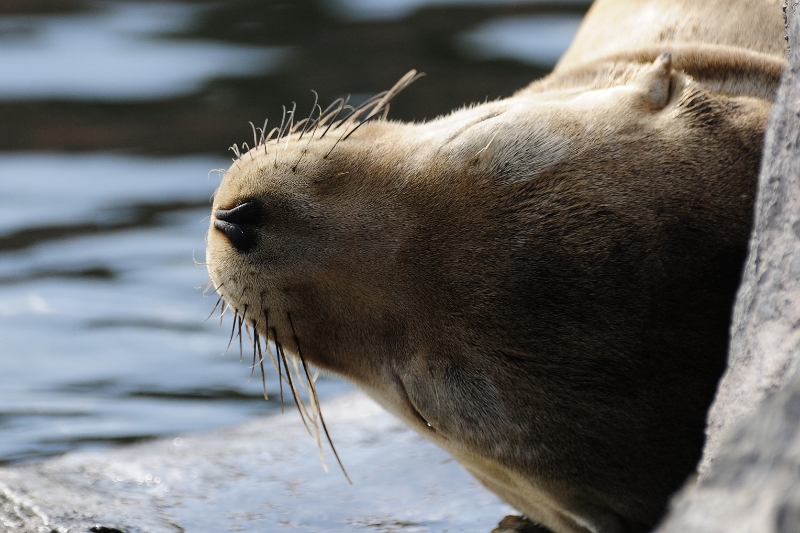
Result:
pixel 541 285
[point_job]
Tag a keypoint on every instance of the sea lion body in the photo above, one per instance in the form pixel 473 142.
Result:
pixel 541 285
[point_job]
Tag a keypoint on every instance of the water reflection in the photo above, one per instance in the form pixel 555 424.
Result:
pixel 118 53
pixel 102 322
pixel 376 10
pixel 112 117
pixel 192 96
pixel 539 40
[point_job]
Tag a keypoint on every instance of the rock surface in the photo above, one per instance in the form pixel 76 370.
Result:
pixel 749 478
pixel 765 343
pixel 263 476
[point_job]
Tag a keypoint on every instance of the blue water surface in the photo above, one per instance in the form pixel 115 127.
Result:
pixel 102 311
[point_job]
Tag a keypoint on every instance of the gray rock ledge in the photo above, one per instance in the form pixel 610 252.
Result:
pixel 263 476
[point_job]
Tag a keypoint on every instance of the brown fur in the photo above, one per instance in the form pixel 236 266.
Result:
pixel 541 285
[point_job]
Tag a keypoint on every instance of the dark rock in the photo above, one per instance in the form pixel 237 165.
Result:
pixel 765 334
pixel 749 478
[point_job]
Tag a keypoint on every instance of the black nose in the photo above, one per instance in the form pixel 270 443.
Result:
pixel 234 223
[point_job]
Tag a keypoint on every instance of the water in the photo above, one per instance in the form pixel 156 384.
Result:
pixel 112 119
pixel 102 321
pixel 117 54
pixel 536 39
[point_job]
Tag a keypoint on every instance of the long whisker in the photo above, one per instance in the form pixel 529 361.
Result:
pixel 247 330
pixel 289 123
pixel 361 109
pixel 333 123
pixel 316 125
pixel 308 120
pixel 272 132
pixel 219 300
pixel 297 401
pixel 349 133
pixel 283 123
pixel 261 354
pixel 278 365
pixel 334 144
pixel 263 374
pixel 263 131
pixel 313 391
pixel 310 138
pixel 298 124
pixel 233 330
pixel 222 310
pixel 410 77
pixel 241 321
pixel 266 339
pixel 329 112
pixel 256 348
pixel 235 150
pixel 376 104
pixel 255 136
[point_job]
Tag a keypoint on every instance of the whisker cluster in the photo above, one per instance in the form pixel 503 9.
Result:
pixel 328 119
pixel 296 374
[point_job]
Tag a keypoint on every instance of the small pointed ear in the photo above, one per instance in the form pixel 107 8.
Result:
pixel 654 82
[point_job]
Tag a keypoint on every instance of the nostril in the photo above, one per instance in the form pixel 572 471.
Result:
pixel 233 223
pixel 233 231
pixel 244 213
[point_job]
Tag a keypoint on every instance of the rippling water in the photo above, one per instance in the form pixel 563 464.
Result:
pixel 113 116
pixel 102 318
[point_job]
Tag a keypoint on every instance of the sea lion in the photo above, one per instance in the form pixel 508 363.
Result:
pixel 541 285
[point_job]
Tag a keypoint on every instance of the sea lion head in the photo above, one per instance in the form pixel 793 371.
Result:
pixel 515 280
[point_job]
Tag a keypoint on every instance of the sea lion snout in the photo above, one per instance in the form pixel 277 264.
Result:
pixel 235 222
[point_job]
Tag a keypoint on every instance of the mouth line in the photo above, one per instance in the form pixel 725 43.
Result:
pixel 412 408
